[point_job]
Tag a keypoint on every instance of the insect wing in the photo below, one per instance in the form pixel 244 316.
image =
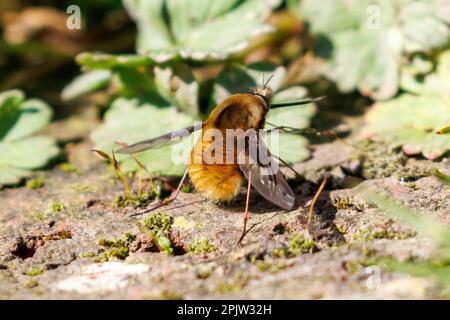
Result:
pixel 266 177
pixel 167 139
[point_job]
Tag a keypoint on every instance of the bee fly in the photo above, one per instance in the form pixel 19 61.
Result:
pixel 219 180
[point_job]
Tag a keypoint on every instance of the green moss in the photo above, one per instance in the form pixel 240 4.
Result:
pixel 282 252
pixel 41 216
pixel 299 243
pixel 199 226
pixel 118 248
pixel 31 283
pixel 82 188
pixel 135 201
pixel 36 183
pixel 238 282
pixel 354 266
pixel 270 266
pixel 302 244
pixel 380 160
pixel 382 233
pixel 35 271
pixel 68 167
pixel 63 234
pixel 201 246
pixel 342 204
pixel 87 255
pixel 342 229
pixel 120 253
pixel 158 222
pixel 165 295
pixel 410 173
pixel 55 207
pixel 186 188
pixel 129 237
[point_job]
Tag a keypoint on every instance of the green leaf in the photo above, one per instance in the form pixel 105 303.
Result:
pixel 28 153
pixel 364 41
pixel 9 110
pixel 31 116
pixel 292 148
pixel 153 33
pixel 289 147
pixel 130 121
pixel 19 151
pixel 242 79
pixel 411 121
pixel 198 30
pixel 86 83
pixel 178 86
pixel 423 82
pixel 11 175
pixel 94 60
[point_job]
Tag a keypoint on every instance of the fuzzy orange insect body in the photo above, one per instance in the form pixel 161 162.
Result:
pixel 221 182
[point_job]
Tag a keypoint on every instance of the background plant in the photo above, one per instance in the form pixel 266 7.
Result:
pixel 20 149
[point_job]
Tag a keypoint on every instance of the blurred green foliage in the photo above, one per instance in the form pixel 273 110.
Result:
pixel 198 30
pixel 20 150
pixel 366 43
pixel 190 55
pixel 412 119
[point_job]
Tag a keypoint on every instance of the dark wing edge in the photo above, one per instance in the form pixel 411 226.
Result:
pixel 271 185
pixel 161 141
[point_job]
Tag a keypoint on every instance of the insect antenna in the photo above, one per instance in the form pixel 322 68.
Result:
pixel 296 103
pixel 265 84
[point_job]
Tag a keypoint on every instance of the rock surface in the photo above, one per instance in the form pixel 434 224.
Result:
pixel 69 239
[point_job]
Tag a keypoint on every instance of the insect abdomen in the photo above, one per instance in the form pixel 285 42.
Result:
pixel 219 183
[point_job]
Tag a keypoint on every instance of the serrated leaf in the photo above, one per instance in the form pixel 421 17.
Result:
pixel 198 30
pixel 411 121
pixel 242 79
pixel 28 153
pixel 19 152
pixel 289 147
pixel 11 175
pixel 130 121
pixel 86 83
pixel 178 86
pixel 9 110
pixel 92 60
pixel 153 33
pixel 292 148
pixel 366 40
pixel 33 116
pixel 436 83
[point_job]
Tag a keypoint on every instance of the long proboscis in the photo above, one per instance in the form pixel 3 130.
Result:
pixel 296 103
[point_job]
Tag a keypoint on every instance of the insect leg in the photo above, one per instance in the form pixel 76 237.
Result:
pixel 246 213
pixel 165 201
pixel 313 202
pixel 307 131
